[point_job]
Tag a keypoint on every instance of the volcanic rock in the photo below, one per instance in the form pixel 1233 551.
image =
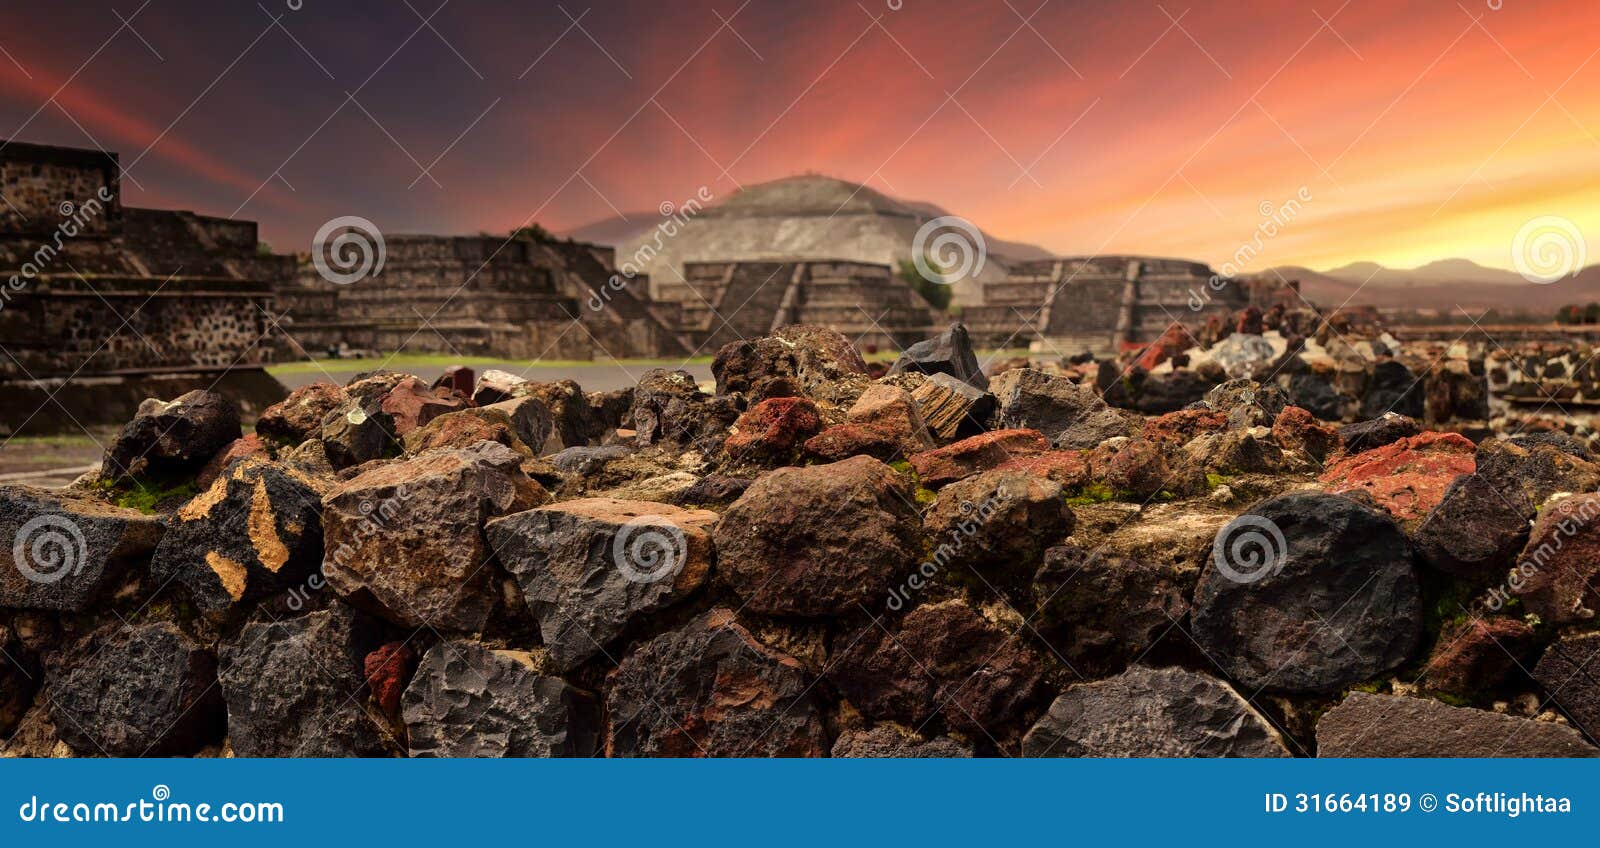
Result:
pixel 1558 572
pixel 772 431
pixel 1100 611
pixel 256 532
pixel 990 450
pixel 1364 725
pixel 821 363
pixel 60 551
pixel 137 691
pixel 587 568
pixel 469 701
pixel 1150 712
pixel 1569 671
pixel 171 439
pixel 1375 433
pixel 893 741
pixel 950 352
pixel 1478 655
pixel 299 416
pixel 405 539
pixel 710 689
pixel 1408 477
pixel 294 687
pixel 953 408
pixel 1069 415
pixel 941 659
pixel 1308 592
pixel 819 540
pixel 669 409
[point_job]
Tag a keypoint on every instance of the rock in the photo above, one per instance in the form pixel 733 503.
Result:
pixel 821 363
pixel 893 741
pixel 246 447
pixel 670 410
pixel 293 687
pixel 884 424
pixel 1368 435
pixel 1308 593
pixel 466 428
pixel 1150 712
pixel 574 420
pixel 772 431
pixel 717 490
pixel 1537 467
pixel 405 539
pixel 1296 429
pixel 531 420
pixel 1557 573
pixel 953 408
pixel 457 379
pixel 1244 355
pixel 950 352
pixel 1137 470
pixel 950 463
pixel 1315 393
pixel 588 461
pixel 1364 725
pixel 1408 477
pixel 62 551
pixel 1235 452
pixel 609 410
pixel 145 690
pixel 1247 403
pixel 1180 427
pixel 819 540
pixel 1569 672
pixel 710 689
pixel 1475 656
pixel 496 386
pixel 172 439
pixel 1069 468
pixel 299 416
pixel 995 526
pixel 1477 528
pixel 1393 388
pixel 469 701
pixel 413 403
pixel 1101 611
pixel 256 532
pixel 358 431
pixel 939 660
pixel 387 670
pixel 663 488
pixel 1171 391
pixel 588 568
pixel 1069 415
pixel 19 679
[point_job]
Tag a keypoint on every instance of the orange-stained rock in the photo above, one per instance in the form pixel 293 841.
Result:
pixel 1407 477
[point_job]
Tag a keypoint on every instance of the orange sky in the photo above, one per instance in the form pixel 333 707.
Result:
pixel 1420 130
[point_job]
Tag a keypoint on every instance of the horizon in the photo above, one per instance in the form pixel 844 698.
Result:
pixel 1082 129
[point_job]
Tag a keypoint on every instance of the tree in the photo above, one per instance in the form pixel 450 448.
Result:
pixel 937 294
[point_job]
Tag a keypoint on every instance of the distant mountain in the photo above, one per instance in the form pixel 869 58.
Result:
pixel 1442 271
pixel 807 216
pixel 1441 285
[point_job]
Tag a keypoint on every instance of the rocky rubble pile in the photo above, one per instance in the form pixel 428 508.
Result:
pixel 802 560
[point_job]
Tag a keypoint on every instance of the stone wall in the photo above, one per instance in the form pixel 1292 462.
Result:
pixel 521 298
pixel 722 302
pixel 42 185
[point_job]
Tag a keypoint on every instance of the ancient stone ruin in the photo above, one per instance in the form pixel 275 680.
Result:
pixel 526 297
pixel 118 303
pixel 722 302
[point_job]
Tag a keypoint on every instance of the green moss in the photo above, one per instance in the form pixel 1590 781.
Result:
pixel 1090 493
pixel 145 496
pixel 1452 700
pixel 1216 481
pixel 1377 686
pixel 902 465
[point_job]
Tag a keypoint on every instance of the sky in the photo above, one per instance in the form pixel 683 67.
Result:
pixel 1404 130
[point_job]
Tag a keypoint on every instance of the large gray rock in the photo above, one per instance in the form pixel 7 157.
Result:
pixel 255 532
pixel 142 691
pixel 296 687
pixel 1069 415
pixel 169 439
pixel 1366 725
pixel 819 540
pixel 709 689
pixel 670 410
pixel 1100 611
pixel 950 352
pixel 19 679
pixel 405 540
pixel 469 701
pixel 588 568
pixel 1309 592
pixel 1148 712
pixel 62 550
